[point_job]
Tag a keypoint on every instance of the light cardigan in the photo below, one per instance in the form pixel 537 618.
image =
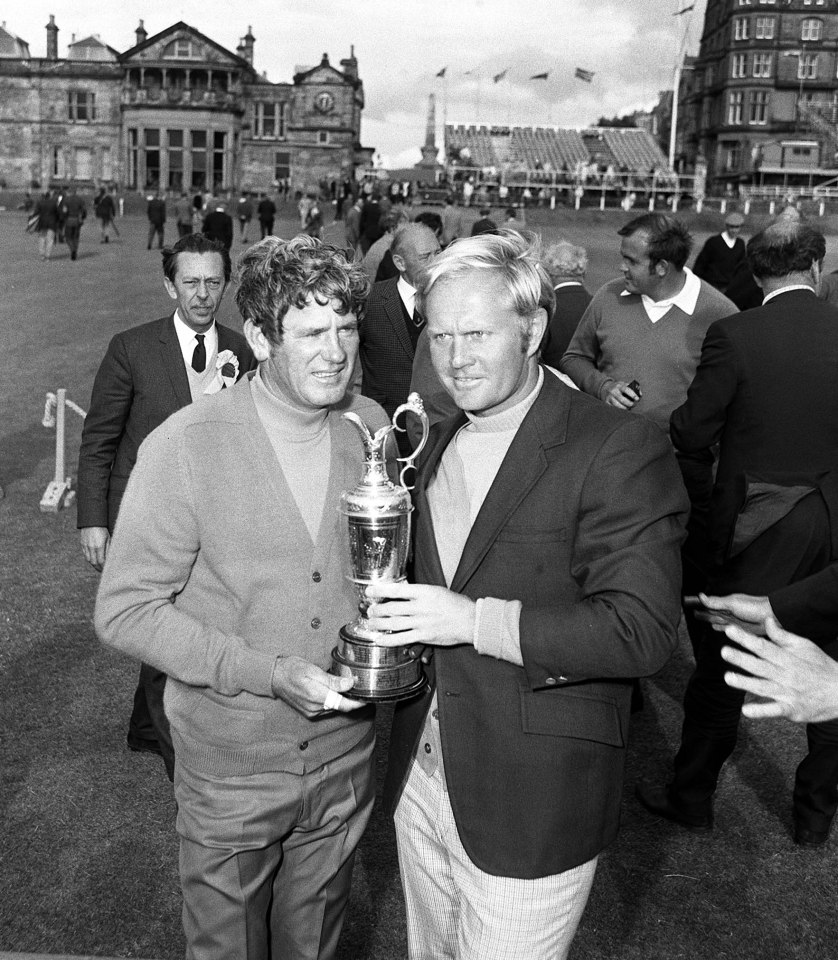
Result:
pixel 616 341
pixel 212 574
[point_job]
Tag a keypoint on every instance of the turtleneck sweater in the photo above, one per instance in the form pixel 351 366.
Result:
pixel 302 444
pixel 456 493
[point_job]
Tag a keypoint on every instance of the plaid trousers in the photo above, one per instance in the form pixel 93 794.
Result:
pixel 456 911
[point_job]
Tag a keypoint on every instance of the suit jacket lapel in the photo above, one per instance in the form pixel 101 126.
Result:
pixel 173 362
pixel 395 314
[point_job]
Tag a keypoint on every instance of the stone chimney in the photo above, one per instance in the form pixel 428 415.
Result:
pixel 52 39
pixel 141 33
pixel 350 65
pixel 245 47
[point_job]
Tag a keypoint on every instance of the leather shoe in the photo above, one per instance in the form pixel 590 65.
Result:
pixel 810 838
pixel 138 745
pixel 656 800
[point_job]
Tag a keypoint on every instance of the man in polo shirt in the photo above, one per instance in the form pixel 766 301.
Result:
pixel 638 344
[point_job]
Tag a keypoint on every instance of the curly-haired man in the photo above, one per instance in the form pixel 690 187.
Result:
pixel 225 571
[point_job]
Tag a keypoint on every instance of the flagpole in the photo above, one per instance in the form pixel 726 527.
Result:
pixel 676 82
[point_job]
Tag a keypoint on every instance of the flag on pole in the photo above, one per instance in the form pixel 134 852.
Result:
pixel 499 76
pixel 540 76
pixel 442 72
pixel 586 75
pixel 685 10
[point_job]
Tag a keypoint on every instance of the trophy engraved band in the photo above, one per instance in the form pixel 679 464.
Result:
pixel 376 521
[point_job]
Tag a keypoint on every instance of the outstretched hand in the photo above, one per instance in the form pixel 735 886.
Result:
pixel 737 609
pixel 792 677
pixel 420 614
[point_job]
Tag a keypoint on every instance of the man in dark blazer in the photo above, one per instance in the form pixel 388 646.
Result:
pixel 722 255
pixel 546 580
pixel 566 265
pixel 147 374
pixel 218 226
pixel 156 212
pixel 765 391
pixel 392 323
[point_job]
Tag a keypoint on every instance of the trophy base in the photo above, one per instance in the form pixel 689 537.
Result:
pixel 382 674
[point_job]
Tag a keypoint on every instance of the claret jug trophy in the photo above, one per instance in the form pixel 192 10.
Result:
pixel 376 526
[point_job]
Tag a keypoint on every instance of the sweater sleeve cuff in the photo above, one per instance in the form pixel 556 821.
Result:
pixel 605 386
pixel 496 629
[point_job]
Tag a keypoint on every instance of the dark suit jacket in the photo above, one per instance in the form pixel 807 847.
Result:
pixel 810 607
pixel 140 382
pixel 386 349
pixel 218 226
pixel 717 262
pixel 766 389
pixel 583 525
pixel 571 303
pixel 156 211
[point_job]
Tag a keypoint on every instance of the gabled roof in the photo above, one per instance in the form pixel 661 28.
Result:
pixel 177 31
pixel 12 47
pixel 91 48
pixel 324 72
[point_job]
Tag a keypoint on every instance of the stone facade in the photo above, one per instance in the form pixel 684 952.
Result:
pixel 176 112
pixel 761 101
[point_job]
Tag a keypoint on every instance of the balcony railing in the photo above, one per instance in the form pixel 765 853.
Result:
pixel 197 97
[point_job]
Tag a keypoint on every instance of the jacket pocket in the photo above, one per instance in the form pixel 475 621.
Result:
pixel 562 713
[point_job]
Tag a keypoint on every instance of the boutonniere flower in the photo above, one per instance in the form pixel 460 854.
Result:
pixel 226 372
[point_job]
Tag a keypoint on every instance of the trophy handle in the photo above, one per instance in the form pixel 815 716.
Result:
pixel 413 405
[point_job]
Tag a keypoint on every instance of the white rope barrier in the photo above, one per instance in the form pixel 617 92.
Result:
pixel 60 491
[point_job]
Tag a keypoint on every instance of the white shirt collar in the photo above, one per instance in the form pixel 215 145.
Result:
pixel 568 283
pixel 187 341
pixel 407 293
pixel 686 299
pixel 788 289
pixel 728 239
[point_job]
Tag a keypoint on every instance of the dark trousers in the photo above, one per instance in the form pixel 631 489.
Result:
pixel 795 547
pixel 267 227
pixel 184 229
pixel 155 230
pixel 149 727
pixel 697 474
pixel 72 232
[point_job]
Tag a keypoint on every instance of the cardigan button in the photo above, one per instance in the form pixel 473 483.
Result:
pixel 316 577
pixel 304 745
pixel 551 681
pixel 315 623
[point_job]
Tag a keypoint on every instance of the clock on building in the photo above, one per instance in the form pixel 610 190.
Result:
pixel 324 102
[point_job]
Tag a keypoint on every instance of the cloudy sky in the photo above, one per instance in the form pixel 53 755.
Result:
pixel 631 45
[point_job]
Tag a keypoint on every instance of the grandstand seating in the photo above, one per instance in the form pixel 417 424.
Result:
pixel 553 149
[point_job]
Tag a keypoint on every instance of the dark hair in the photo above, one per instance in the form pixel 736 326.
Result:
pixel 194 243
pixel 669 239
pixel 788 246
pixel 430 219
pixel 274 275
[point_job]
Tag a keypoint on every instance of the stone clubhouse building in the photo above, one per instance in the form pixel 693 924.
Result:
pixel 176 112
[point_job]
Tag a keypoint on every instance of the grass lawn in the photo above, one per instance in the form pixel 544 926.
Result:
pixel 88 853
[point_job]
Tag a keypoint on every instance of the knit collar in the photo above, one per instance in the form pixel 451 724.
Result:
pixel 509 419
pixel 292 422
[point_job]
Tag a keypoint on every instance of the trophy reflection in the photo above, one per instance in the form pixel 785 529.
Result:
pixel 376 523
